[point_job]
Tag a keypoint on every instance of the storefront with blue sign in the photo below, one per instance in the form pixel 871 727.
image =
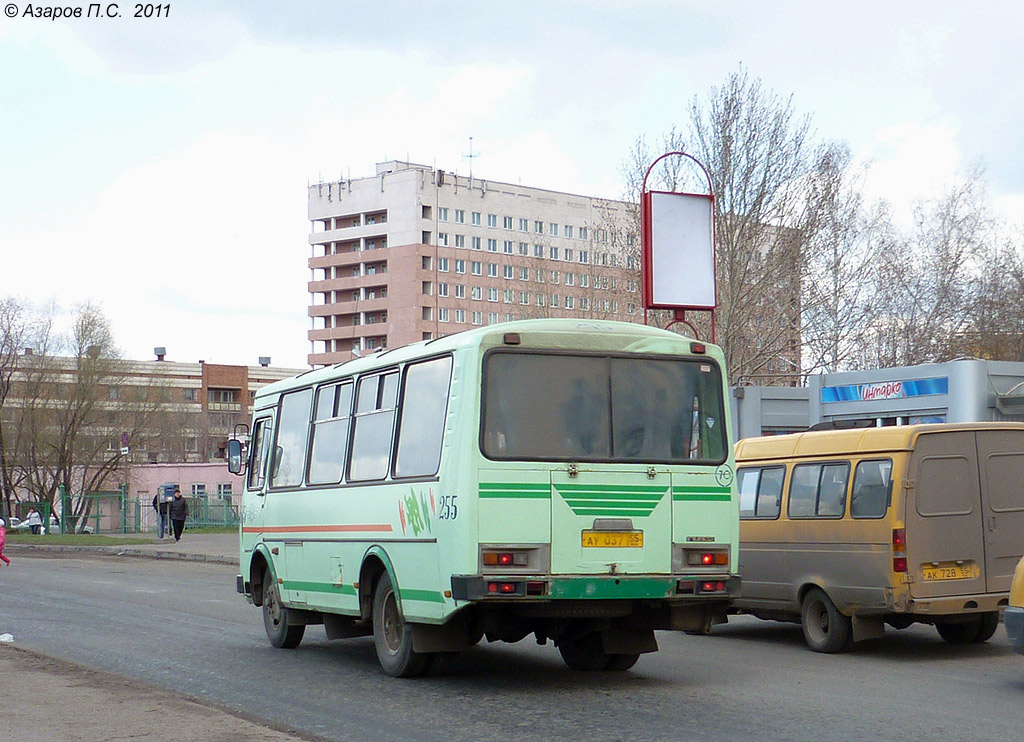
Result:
pixel 967 390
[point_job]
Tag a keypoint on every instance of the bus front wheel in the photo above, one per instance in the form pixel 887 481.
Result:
pixel 391 635
pixel 825 628
pixel 281 631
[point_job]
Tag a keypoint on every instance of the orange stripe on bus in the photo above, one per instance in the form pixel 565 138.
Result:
pixel 360 528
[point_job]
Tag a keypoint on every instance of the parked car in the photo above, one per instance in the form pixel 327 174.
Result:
pixel 1013 615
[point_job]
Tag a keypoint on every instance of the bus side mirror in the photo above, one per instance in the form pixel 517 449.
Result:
pixel 235 461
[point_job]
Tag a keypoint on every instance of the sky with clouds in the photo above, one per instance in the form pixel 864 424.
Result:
pixel 158 166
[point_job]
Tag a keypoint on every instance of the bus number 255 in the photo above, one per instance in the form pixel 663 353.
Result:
pixel 448 509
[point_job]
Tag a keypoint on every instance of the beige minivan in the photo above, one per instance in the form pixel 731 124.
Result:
pixel 846 531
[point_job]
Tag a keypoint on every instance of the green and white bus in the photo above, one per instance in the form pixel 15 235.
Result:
pixel 567 479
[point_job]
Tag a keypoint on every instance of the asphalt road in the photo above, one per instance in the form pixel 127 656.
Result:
pixel 182 627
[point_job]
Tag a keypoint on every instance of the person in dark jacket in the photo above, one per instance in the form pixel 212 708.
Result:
pixel 178 511
pixel 160 506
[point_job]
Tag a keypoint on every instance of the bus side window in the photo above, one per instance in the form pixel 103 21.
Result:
pixel 376 399
pixel 289 461
pixel 421 424
pixel 870 498
pixel 257 464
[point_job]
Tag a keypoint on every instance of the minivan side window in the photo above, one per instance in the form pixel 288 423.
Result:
pixel 761 491
pixel 818 490
pixel 870 498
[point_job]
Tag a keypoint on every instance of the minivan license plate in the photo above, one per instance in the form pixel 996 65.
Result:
pixel 613 539
pixel 950 572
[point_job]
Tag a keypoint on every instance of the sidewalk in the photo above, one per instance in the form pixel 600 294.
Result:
pixel 219 548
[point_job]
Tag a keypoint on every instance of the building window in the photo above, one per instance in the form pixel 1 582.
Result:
pixel 507 247
pixel 555 299
pixel 584 303
pixel 442 289
pixel 524 297
pixel 428 288
pixel 492 245
pixel 442 314
pixel 540 299
pixel 583 233
pixel 198 489
pixel 538 227
pixel 538 251
pixel 524 248
pixel 524 274
pixel 476 293
pixel 460 240
pixel 189 395
pixel 524 225
pixel 509 296
pixel 554 253
pixel 224 489
pixel 492 294
pixel 584 257
pixel 508 272
pixel 584 280
pixel 442 265
pixel 555 276
pixel 540 275
pixel 492 220
pixel 506 222
pixel 568 302
pixel 460 315
pixel 568 231
pixel 553 229
pixel 442 239
pixel 478 318
pixel 460 216
pixel 442 214
pixel 475 218
pixel 477 268
pixel 460 291
pixel 568 255
pixel 460 266
pixel 427 263
pixel 477 245
pixel 570 279
pixel 492 270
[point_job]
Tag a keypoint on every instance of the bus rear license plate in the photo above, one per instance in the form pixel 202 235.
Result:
pixel 950 572
pixel 613 539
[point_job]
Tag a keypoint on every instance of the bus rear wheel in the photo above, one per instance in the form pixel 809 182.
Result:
pixel 584 653
pixel 281 631
pixel 825 628
pixel 391 635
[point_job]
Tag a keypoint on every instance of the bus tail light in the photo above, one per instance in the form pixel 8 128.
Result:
pixel 505 588
pixel 505 557
pixel 712 586
pixel 696 558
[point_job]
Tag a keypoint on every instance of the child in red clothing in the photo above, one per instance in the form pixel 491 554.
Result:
pixel 3 541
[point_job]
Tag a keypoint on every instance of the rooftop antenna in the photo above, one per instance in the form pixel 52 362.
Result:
pixel 471 157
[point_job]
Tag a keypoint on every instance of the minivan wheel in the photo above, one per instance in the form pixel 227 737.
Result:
pixel 975 630
pixel 989 624
pixel 825 628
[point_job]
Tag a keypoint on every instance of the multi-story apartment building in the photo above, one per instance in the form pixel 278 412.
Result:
pixel 174 412
pixel 414 253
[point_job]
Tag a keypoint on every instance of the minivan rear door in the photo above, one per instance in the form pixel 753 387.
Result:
pixel 1001 460
pixel 944 523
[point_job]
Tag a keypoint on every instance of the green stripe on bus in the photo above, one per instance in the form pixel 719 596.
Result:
pixel 319 587
pixel 697 488
pixel 702 498
pixel 598 588
pixel 604 499
pixel 493 490
pixel 424 596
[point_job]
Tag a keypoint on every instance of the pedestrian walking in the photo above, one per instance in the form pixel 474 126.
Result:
pixel 3 542
pixel 35 521
pixel 178 511
pixel 160 505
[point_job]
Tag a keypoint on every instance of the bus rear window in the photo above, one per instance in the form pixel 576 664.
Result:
pixel 558 407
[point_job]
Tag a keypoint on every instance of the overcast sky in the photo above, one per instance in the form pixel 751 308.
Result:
pixel 159 166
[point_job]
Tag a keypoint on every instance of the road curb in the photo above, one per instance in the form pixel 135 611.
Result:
pixel 128 551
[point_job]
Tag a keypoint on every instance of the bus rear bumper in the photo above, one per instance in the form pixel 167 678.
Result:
pixel 673 588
